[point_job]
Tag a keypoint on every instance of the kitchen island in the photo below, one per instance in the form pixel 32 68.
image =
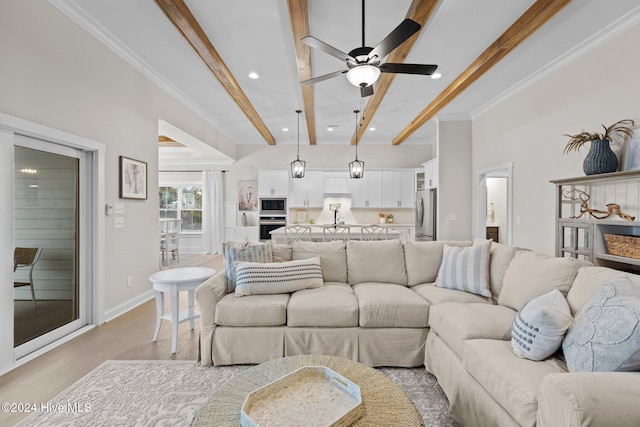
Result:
pixel 277 235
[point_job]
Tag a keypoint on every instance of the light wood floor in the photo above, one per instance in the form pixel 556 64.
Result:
pixel 128 337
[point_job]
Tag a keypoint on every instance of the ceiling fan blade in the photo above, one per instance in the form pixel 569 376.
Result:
pixel 425 69
pixel 320 45
pixel 325 77
pixel 402 32
pixel 366 91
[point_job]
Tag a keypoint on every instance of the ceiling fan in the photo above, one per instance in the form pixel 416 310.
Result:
pixel 363 62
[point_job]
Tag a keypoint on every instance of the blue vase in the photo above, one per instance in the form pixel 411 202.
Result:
pixel 600 158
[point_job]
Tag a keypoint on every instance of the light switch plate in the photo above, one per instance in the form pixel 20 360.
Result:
pixel 118 208
pixel 118 222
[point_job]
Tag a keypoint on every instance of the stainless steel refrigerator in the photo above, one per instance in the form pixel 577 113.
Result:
pixel 426 215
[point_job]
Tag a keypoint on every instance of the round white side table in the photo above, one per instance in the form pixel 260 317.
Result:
pixel 174 281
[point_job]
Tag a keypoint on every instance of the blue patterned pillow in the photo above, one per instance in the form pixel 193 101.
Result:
pixel 605 335
pixel 254 278
pixel 241 252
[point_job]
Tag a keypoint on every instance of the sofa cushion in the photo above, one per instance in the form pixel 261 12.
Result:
pixel 243 251
pixel 333 305
pixel 457 322
pixel 437 295
pixel 587 282
pixel 466 269
pixel 384 305
pixel 253 310
pixel 501 257
pixel 281 253
pixel 333 258
pixel 531 274
pixel 605 335
pixel 376 261
pixel 513 382
pixel 539 328
pixel 423 260
pixel 256 278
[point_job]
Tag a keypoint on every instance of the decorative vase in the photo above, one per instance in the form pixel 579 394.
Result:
pixel 600 158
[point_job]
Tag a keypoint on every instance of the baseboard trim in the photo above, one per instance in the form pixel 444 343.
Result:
pixel 128 305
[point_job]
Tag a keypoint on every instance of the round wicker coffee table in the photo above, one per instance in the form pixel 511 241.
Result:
pixel 385 404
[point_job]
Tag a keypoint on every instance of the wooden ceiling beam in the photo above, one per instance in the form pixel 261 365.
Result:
pixel 528 23
pixel 180 15
pixel 420 11
pixel 299 17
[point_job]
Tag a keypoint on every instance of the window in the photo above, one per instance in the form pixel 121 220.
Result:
pixel 184 202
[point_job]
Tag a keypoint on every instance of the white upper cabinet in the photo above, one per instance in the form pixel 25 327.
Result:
pixel 431 173
pixel 273 182
pixel 398 189
pixel 366 192
pixel 307 192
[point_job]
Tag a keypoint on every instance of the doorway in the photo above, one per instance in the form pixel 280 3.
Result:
pixel 49 299
pixel 494 204
pixel 50 209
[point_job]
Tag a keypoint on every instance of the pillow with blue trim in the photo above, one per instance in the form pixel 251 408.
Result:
pixel 255 278
pixel 540 327
pixel 243 251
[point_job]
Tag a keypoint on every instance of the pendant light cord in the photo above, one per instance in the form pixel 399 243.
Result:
pixel 298 155
pixel 356 113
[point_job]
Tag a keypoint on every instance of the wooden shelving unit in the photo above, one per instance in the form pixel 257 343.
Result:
pixel 583 238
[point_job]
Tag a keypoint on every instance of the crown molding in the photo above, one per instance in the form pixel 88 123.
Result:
pixel 73 11
pixel 616 28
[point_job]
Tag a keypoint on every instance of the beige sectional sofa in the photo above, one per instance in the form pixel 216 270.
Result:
pixel 379 305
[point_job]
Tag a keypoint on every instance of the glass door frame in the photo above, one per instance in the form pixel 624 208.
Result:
pixel 83 291
pixel 91 231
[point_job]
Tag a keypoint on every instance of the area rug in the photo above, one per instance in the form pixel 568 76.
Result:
pixel 169 393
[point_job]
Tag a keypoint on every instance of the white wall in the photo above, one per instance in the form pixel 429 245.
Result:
pixel 54 73
pixel 528 129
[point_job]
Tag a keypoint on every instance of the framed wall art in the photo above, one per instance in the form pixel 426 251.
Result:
pixel 247 195
pixel 133 179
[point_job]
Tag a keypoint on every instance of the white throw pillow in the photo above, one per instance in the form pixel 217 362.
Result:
pixel 539 328
pixel 254 278
pixel 466 268
pixel 605 335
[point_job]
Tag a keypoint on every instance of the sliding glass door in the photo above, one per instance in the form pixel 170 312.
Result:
pixel 50 299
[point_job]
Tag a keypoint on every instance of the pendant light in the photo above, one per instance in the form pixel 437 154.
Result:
pixel 298 166
pixel 356 168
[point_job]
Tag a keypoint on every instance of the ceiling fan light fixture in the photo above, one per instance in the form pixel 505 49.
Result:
pixel 363 75
pixel 298 166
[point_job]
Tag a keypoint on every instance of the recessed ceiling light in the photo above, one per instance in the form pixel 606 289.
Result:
pixel 330 129
pixel 253 75
pixel 285 129
pixel 436 75
pixel 372 129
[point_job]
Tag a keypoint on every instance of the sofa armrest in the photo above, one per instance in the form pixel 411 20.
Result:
pixel 589 399
pixel 208 294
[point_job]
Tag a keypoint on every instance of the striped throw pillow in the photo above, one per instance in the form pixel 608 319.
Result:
pixel 254 278
pixel 234 252
pixel 466 268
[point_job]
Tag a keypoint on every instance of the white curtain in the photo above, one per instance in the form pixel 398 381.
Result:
pixel 212 212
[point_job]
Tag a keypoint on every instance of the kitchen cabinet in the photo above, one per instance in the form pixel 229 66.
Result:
pixel 307 192
pixel 273 182
pixel 367 191
pixel 241 234
pixel 431 173
pixel 398 189
pixel 584 238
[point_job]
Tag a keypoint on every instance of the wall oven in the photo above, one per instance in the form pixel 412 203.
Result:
pixel 273 206
pixel 269 223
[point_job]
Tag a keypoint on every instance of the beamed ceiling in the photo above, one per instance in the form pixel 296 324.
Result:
pixel 202 51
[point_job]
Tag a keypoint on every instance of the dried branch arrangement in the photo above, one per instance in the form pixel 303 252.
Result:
pixel 621 128
pixel 612 208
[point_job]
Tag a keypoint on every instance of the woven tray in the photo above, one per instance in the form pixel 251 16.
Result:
pixel 309 396
pixel 624 246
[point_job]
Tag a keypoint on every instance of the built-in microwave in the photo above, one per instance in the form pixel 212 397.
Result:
pixel 273 206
